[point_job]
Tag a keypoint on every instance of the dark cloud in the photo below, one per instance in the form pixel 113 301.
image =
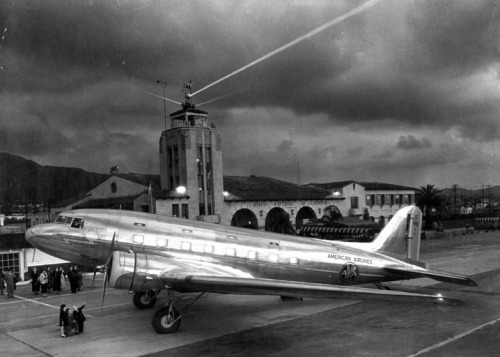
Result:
pixel 407 75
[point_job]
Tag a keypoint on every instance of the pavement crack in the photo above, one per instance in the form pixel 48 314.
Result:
pixel 28 345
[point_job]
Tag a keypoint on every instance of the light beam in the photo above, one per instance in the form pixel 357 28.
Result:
pixel 335 21
pixel 153 94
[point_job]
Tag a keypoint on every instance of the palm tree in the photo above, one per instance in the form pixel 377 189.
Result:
pixel 427 199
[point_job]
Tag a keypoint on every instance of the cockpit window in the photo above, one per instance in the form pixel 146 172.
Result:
pixel 77 223
pixel 63 219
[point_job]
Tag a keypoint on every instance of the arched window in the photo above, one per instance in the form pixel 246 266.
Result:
pixel 113 187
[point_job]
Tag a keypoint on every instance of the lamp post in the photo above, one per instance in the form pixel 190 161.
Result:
pixel 163 84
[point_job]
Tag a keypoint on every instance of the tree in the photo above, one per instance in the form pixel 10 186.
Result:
pixel 427 199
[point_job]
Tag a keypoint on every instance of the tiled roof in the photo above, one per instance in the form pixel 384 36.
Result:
pixel 253 188
pixel 367 185
pixel 142 179
pixel 126 201
pixel 331 185
pixel 384 186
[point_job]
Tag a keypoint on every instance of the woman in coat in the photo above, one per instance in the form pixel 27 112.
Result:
pixel 56 282
pixel 35 284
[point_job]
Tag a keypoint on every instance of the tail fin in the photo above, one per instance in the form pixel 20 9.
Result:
pixel 401 235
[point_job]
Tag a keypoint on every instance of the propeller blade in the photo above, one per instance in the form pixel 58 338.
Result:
pixel 93 279
pixel 107 265
pixel 104 289
pixel 133 274
pixel 34 252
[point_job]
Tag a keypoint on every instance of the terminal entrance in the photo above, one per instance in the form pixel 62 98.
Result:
pixel 278 221
pixel 304 215
pixel 245 218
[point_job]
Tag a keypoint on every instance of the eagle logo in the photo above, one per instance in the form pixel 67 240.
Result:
pixel 349 272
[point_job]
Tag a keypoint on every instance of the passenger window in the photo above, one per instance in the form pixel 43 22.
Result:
pixel 77 223
pixel 68 220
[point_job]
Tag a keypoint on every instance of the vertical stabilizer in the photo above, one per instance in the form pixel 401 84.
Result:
pixel 402 234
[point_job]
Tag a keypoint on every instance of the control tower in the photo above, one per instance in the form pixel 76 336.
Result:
pixel 191 165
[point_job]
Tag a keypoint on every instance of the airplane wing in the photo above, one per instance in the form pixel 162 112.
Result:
pixel 140 272
pixel 407 273
pixel 251 286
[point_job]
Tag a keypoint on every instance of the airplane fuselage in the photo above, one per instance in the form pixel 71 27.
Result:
pixel 243 252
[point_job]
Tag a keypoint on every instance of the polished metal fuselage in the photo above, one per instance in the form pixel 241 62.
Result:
pixel 239 252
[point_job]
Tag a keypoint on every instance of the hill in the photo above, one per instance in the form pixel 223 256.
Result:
pixel 25 181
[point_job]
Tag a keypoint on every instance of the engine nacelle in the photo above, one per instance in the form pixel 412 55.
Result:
pixel 147 270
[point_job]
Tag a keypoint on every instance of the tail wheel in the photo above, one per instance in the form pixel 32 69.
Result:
pixel 166 320
pixel 142 300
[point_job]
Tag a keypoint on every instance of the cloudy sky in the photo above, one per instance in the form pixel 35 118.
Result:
pixel 404 92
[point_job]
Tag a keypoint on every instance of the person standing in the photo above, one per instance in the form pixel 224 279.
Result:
pixel 2 284
pixel 56 281
pixel 9 278
pixel 63 278
pixel 67 323
pixel 61 319
pixel 73 279
pixel 50 278
pixel 35 284
pixel 80 318
pixel 43 282
pixel 79 277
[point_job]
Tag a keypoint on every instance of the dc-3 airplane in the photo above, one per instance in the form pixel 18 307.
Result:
pixel 147 253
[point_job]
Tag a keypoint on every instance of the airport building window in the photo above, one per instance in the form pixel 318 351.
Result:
pixel 378 199
pixel 10 261
pixel 369 200
pixel 397 199
pixel 175 210
pixel 354 202
pixel 185 210
pixel 113 187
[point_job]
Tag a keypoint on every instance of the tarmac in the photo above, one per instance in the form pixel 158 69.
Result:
pixel 240 325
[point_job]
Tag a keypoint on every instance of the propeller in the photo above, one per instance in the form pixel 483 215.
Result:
pixel 130 291
pixel 93 279
pixel 107 266
pixel 34 252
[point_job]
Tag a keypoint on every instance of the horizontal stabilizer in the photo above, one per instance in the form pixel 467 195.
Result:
pixel 433 274
pixel 250 286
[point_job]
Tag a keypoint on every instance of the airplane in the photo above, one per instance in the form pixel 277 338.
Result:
pixel 147 253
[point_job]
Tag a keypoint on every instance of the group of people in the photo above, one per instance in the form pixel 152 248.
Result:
pixel 71 322
pixel 54 281
pixel 9 280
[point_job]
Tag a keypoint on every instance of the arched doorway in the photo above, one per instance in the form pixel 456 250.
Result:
pixel 245 218
pixel 304 214
pixel 278 221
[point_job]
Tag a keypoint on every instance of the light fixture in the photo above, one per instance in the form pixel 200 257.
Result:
pixel 181 190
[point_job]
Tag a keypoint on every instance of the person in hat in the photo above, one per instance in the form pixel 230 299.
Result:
pixel 67 322
pixel 61 319
pixel 80 318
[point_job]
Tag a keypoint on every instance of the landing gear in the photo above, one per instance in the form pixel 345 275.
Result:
pixel 167 319
pixel 145 300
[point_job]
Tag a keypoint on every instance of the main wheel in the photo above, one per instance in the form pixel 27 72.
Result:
pixel 143 301
pixel 166 320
